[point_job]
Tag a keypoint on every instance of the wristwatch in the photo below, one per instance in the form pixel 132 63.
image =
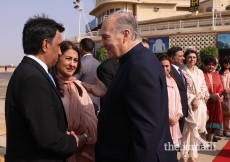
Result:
pixel 86 136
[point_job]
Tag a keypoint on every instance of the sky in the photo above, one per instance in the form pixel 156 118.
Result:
pixel 14 14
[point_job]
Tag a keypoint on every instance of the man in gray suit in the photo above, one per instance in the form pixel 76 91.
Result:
pixel 89 67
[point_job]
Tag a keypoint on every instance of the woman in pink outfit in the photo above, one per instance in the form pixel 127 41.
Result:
pixel 77 103
pixel 174 101
pixel 225 77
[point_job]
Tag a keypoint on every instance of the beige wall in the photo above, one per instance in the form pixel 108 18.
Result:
pixel 147 11
pixel 222 5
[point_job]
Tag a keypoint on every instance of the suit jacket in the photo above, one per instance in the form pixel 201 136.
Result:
pixel 35 117
pixel 133 125
pixel 105 73
pixel 88 70
pixel 183 94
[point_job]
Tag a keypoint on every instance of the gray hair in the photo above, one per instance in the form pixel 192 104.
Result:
pixel 189 47
pixel 125 20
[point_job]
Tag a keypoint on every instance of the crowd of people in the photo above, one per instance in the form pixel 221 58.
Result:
pixel 52 102
pixel 207 94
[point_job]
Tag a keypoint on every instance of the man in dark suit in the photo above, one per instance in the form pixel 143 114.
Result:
pixel 35 117
pixel 88 68
pixel 133 125
pixel 176 57
pixel 105 73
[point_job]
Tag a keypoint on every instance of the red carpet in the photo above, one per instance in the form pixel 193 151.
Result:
pixel 224 154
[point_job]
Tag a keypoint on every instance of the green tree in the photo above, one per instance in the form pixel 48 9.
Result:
pixel 100 54
pixel 210 51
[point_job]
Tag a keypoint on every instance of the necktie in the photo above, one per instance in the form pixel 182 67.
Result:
pixel 51 78
pixel 182 76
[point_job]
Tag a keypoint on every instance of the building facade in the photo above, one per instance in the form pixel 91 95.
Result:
pixel 168 23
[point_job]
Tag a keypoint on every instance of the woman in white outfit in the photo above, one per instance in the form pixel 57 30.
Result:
pixel 197 111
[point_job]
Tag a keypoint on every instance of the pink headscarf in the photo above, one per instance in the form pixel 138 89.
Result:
pixel 80 115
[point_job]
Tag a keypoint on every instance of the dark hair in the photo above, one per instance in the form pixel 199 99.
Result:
pixel 173 50
pixel 66 45
pixel 209 60
pixel 163 57
pixel 37 29
pixel 225 60
pixel 145 41
pixel 87 44
pixel 191 51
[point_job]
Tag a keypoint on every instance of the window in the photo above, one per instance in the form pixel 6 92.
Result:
pixel 111 11
pixel 209 9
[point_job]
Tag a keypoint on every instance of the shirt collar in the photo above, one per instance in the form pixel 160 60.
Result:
pixel 38 61
pixel 86 55
pixel 176 67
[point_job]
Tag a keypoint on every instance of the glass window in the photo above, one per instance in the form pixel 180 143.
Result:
pixel 111 11
pixel 117 9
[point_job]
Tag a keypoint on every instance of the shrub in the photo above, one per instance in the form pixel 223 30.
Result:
pixel 210 51
pixel 100 54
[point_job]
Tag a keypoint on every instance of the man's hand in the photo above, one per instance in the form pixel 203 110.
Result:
pixel 98 90
pixel 76 137
pixel 80 139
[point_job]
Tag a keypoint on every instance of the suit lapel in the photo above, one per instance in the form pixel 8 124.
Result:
pixel 41 69
pixel 177 76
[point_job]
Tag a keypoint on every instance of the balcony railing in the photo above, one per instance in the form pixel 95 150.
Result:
pixel 185 24
pixel 82 35
pixel 166 26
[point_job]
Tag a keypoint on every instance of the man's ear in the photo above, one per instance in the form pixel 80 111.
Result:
pixel 44 46
pixel 171 59
pixel 126 34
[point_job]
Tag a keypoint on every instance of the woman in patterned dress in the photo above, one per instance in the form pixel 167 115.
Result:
pixel 197 92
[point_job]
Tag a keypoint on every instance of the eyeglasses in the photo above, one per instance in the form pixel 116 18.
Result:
pixel 227 63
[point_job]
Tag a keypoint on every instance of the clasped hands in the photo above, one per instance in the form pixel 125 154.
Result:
pixel 80 139
pixel 216 97
pixel 195 101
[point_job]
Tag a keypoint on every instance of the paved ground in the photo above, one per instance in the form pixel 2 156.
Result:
pixel 4 79
pixel 204 156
